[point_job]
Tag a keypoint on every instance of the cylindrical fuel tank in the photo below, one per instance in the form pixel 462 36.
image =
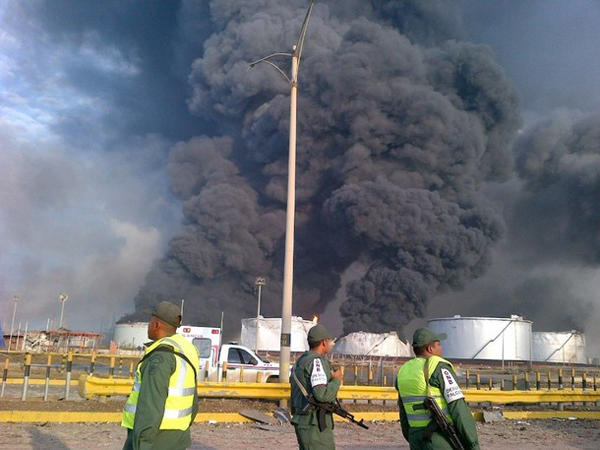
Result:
pixel 131 335
pixel 489 338
pixel 559 347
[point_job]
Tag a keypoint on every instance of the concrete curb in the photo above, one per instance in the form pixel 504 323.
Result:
pixel 115 417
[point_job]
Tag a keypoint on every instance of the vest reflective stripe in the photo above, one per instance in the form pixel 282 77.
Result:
pixel 175 413
pixel 182 387
pixel 412 390
pixel 423 416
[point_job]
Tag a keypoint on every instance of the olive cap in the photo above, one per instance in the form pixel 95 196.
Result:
pixel 424 336
pixel 318 333
pixel 167 312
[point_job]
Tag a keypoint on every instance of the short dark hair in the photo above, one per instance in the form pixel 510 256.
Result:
pixel 314 344
pixel 419 350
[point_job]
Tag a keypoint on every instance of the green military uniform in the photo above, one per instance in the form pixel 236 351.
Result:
pixel 412 388
pixel 155 372
pixel 164 400
pixel 314 372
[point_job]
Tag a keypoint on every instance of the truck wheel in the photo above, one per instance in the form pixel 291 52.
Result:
pixel 273 380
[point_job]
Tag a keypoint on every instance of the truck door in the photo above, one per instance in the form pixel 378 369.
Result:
pixel 206 357
pixel 238 358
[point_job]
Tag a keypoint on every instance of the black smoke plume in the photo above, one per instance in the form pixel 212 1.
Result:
pixel 400 122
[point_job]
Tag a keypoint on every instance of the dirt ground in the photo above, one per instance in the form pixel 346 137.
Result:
pixel 547 435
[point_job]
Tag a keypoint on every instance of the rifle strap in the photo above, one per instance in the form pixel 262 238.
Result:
pixel 426 373
pixel 300 385
pixel 169 349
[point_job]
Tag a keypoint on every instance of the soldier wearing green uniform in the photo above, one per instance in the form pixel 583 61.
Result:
pixel 164 400
pixel 314 427
pixel 417 426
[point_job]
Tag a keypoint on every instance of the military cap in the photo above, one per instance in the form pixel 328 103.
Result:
pixel 167 312
pixel 424 336
pixel 318 333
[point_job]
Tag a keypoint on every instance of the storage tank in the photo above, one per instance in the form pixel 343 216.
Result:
pixel 372 344
pixel 559 347
pixel 488 338
pixel 131 335
pixel 269 333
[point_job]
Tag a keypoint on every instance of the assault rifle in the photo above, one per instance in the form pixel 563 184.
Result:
pixel 442 422
pixel 334 408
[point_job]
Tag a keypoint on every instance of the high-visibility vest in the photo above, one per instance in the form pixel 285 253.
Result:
pixel 182 387
pixel 412 389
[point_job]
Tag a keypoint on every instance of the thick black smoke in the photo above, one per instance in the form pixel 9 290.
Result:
pixel 400 122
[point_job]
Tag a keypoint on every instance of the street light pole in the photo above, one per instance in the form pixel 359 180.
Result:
pixel 259 283
pixel 288 267
pixel 62 298
pixel 12 323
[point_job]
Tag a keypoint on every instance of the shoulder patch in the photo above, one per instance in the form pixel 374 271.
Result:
pixel 318 376
pixel 452 390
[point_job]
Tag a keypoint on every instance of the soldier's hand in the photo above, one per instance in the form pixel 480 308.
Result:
pixel 337 374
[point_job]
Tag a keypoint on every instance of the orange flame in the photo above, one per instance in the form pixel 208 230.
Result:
pixel 315 319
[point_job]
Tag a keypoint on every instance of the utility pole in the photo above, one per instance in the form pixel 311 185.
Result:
pixel 288 267
pixel 12 323
pixel 62 298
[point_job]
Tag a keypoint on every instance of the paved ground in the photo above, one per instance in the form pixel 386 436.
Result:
pixel 547 435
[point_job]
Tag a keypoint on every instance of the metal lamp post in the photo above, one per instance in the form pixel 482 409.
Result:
pixel 12 323
pixel 259 283
pixel 288 268
pixel 62 298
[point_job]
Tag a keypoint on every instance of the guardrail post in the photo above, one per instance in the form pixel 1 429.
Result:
pixel 241 379
pixel 526 378
pixel 549 380
pixel 259 377
pixel 206 373
pixel 92 362
pixel 5 376
pixel 478 381
pixel 355 374
pixel 572 378
pixel 47 383
pixel 560 379
pixel 26 375
pixel 342 370
pixel 111 367
pixel 467 378
pixel 538 381
pixel 583 381
pixel 224 372
pixel 502 386
pixel 68 378
pixel 131 369
pixel 514 382
pixel 490 384
pixel 121 364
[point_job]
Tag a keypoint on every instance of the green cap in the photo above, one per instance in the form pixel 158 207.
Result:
pixel 167 312
pixel 424 336
pixel 318 333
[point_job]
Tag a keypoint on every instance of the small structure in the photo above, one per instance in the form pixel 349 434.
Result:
pixel 485 338
pixel 131 335
pixel 264 334
pixel 373 344
pixel 566 347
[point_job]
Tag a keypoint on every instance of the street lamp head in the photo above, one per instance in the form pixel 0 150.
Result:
pixel 62 297
pixel 260 281
pixel 16 298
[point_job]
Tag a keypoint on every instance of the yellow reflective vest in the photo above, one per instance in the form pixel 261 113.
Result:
pixel 412 389
pixel 182 386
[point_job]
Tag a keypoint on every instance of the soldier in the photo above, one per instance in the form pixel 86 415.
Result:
pixel 164 399
pixel 313 375
pixel 417 426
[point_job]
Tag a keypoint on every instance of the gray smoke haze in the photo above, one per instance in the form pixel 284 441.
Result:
pixel 399 125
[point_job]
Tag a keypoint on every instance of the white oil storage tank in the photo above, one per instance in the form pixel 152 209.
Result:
pixel 487 338
pixel 131 335
pixel 559 347
pixel 264 333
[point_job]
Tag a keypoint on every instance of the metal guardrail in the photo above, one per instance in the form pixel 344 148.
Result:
pixel 90 386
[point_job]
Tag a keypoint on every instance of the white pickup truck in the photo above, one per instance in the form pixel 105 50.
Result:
pixel 240 360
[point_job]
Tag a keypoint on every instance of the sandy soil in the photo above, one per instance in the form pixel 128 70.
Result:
pixel 547 435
